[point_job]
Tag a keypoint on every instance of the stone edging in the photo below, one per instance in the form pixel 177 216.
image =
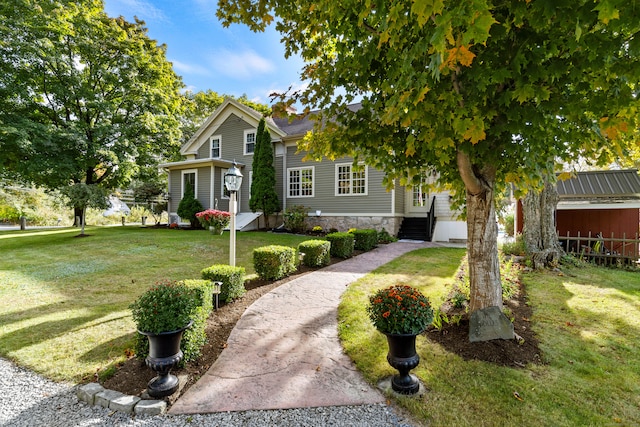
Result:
pixel 96 395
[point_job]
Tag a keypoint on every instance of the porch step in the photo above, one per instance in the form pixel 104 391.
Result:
pixel 414 229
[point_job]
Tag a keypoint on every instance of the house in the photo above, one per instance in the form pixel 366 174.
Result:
pixel 336 194
pixel 604 203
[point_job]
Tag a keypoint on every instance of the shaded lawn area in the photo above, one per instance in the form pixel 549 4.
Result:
pixel 587 320
pixel 64 310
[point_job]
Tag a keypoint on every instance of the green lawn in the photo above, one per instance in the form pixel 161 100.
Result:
pixel 588 323
pixel 64 310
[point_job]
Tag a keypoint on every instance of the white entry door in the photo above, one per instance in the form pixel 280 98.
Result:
pixel 418 200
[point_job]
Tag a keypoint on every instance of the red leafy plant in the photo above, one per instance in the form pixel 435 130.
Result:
pixel 214 218
pixel 400 309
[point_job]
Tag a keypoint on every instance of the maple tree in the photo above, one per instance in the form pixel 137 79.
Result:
pixel 487 92
pixel 84 98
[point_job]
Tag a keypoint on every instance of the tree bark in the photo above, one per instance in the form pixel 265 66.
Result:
pixel 78 213
pixel 482 229
pixel 539 227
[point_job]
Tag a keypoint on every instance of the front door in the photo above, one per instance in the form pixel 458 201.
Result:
pixel 418 200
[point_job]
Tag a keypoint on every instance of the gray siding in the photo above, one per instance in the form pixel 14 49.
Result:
pixel 377 200
pixel 204 186
pixel 175 185
pixel 232 132
pixel 400 197
pixel 278 164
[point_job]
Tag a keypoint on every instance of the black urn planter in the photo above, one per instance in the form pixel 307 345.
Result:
pixel 164 355
pixel 402 356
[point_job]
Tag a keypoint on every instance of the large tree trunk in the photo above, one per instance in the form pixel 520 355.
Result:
pixel 482 252
pixel 539 227
pixel 78 215
pixel 482 229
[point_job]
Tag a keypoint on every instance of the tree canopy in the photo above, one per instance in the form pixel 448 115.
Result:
pixel 84 98
pixel 487 92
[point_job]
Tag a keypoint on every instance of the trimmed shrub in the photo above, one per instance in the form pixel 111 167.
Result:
pixel 294 218
pixel 385 237
pixel 317 253
pixel 365 239
pixel 274 262
pixel 188 207
pixel 195 337
pixel 342 244
pixel 232 279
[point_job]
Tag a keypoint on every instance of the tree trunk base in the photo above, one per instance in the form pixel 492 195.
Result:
pixel 490 324
pixel 544 258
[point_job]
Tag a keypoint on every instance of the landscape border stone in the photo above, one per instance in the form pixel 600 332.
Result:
pixel 95 395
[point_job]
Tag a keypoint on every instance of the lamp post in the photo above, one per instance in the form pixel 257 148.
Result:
pixel 233 181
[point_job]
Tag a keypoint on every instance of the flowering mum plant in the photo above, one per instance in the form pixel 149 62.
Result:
pixel 214 218
pixel 400 309
pixel 165 307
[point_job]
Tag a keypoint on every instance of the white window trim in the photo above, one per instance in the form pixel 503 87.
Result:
pixel 219 138
pixel 313 182
pixel 195 190
pixel 244 143
pixel 350 193
pixel 223 187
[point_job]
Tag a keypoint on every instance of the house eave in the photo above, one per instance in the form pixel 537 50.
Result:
pixel 199 162
pixel 564 205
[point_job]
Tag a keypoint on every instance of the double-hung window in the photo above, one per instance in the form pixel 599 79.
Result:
pixel 216 146
pixel 351 181
pixel 249 141
pixel 189 182
pixel 300 182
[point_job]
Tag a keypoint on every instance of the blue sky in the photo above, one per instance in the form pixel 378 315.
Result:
pixel 231 60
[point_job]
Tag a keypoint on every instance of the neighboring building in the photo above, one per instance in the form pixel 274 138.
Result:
pixel 336 194
pixel 605 203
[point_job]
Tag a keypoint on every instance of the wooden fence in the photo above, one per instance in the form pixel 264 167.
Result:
pixel 602 250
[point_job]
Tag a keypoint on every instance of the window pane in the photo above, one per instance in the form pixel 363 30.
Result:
pixel 189 182
pixel 294 183
pixel 215 148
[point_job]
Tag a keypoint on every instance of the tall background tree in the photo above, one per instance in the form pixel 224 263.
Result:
pixel 84 98
pixel 263 185
pixel 487 92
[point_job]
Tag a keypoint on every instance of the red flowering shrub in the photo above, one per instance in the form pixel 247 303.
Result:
pixel 214 218
pixel 400 309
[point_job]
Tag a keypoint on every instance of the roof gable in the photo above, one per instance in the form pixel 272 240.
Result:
pixel 217 118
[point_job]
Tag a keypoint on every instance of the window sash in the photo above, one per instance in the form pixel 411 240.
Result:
pixel 215 147
pixel 350 182
pixel 300 182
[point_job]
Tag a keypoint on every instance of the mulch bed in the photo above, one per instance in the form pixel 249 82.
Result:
pixel 132 376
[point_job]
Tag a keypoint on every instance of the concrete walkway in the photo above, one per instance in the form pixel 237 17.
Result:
pixel 284 352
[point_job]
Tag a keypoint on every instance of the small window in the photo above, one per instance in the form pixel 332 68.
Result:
pixel 300 182
pixel 189 182
pixel 351 181
pixel 216 142
pixel 249 141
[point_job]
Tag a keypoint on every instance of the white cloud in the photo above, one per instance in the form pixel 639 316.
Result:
pixel 184 68
pixel 240 65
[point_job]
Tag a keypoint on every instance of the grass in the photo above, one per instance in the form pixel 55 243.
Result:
pixel 588 323
pixel 64 310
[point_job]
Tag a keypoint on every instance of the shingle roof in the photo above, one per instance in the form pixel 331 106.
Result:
pixel 610 184
pixel 303 123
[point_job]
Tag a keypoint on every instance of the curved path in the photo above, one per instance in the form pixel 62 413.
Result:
pixel 284 352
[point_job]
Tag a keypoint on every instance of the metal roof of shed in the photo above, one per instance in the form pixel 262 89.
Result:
pixel 609 184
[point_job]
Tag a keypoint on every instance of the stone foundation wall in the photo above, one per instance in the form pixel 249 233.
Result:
pixel 344 223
